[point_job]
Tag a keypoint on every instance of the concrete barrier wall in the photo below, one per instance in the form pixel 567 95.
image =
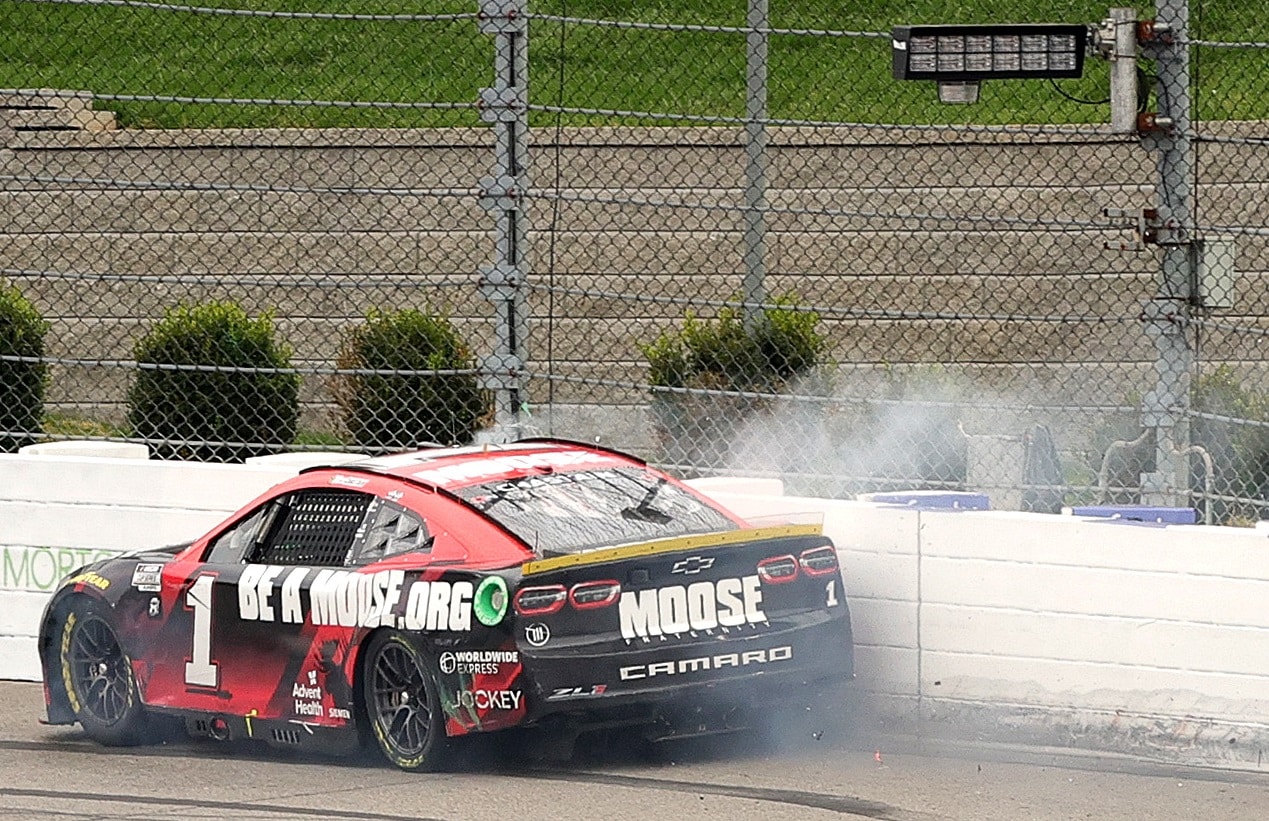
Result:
pixel 59 512
pixel 1054 630
pixel 1005 626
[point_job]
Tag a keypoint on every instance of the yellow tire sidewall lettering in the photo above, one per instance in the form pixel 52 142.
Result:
pixel 68 682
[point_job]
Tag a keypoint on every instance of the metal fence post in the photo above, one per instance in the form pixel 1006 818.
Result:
pixel 1123 71
pixel 505 106
pixel 1165 408
pixel 756 161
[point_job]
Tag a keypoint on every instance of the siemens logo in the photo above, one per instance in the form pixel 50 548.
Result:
pixel 697 665
pixel 704 605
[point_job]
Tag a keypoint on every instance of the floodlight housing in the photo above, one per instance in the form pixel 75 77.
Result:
pixel 972 53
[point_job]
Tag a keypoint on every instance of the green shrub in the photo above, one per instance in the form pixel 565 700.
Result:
pixel 722 354
pixel 722 359
pixel 1239 450
pixel 417 406
pixel 213 415
pixel 22 383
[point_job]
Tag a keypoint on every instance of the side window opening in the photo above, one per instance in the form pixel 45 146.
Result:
pixel 391 530
pixel 313 527
pixel 232 546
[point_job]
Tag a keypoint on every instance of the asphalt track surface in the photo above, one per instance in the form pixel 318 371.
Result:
pixel 56 774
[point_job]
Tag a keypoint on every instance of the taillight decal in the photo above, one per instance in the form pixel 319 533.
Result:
pixel 778 569
pixel 540 601
pixel 593 595
pixel 819 561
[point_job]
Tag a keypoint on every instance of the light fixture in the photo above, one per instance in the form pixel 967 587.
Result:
pixel 962 56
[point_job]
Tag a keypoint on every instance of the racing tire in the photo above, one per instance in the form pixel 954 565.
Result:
pixel 403 703
pixel 98 678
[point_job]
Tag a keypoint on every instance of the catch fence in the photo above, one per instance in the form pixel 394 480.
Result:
pixel 726 239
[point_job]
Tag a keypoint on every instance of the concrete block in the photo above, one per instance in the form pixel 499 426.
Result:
pixel 1043 682
pixel 712 485
pixel 302 459
pixel 49 98
pixel 112 527
pixel 107 450
pixel 880 574
pixel 1042 587
pixel 1137 646
pixel 1071 541
pixel 19 659
pixel 58 119
pixel 884 622
pixel 37 570
pixel 134 483
pixel 22 611
pixel 882 669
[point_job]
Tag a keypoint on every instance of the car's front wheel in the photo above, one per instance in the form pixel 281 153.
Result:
pixel 403 703
pixel 97 674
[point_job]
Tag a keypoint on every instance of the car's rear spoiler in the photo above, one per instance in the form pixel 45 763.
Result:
pixel 670 545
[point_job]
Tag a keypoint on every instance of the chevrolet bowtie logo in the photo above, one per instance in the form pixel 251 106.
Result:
pixel 692 565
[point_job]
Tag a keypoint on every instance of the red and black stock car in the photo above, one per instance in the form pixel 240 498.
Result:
pixel 407 600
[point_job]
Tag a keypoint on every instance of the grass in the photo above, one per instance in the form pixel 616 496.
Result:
pixel 62 425
pixel 310 439
pixel 138 51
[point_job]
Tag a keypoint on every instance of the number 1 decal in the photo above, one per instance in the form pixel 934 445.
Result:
pixel 199 670
pixel 832 592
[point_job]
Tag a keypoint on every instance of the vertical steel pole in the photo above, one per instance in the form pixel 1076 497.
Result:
pixel 1166 407
pixel 755 289
pixel 1123 72
pixel 505 106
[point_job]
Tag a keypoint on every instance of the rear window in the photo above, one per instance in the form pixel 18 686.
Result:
pixel 576 511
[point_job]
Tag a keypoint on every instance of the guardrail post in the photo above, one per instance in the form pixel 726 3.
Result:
pixel 505 106
pixel 1166 407
pixel 756 162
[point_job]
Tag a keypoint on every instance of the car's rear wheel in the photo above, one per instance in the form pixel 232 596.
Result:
pixel 403 703
pixel 97 674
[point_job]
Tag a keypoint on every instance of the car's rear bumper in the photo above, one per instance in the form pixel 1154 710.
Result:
pixel 738 670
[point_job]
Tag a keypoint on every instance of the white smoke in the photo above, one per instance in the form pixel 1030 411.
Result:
pixel 900 431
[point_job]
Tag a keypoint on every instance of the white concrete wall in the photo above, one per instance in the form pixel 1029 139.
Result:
pixel 1058 611
pixel 58 512
pixel 994 625
pixel 1055 630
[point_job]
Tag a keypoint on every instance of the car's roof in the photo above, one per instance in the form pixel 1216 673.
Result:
pixel 452 468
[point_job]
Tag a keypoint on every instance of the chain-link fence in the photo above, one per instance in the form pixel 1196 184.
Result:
pixel 728 239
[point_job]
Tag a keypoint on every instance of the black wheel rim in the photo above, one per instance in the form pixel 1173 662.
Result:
pixel 401 708
pixel 100 671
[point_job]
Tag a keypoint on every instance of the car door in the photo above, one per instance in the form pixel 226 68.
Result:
pixel 242 637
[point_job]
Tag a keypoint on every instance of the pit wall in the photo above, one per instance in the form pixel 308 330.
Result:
pixel 969 625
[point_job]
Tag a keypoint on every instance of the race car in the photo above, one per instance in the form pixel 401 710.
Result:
pixel 408 600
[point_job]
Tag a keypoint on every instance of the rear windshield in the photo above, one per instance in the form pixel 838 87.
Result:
pixel 572 512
